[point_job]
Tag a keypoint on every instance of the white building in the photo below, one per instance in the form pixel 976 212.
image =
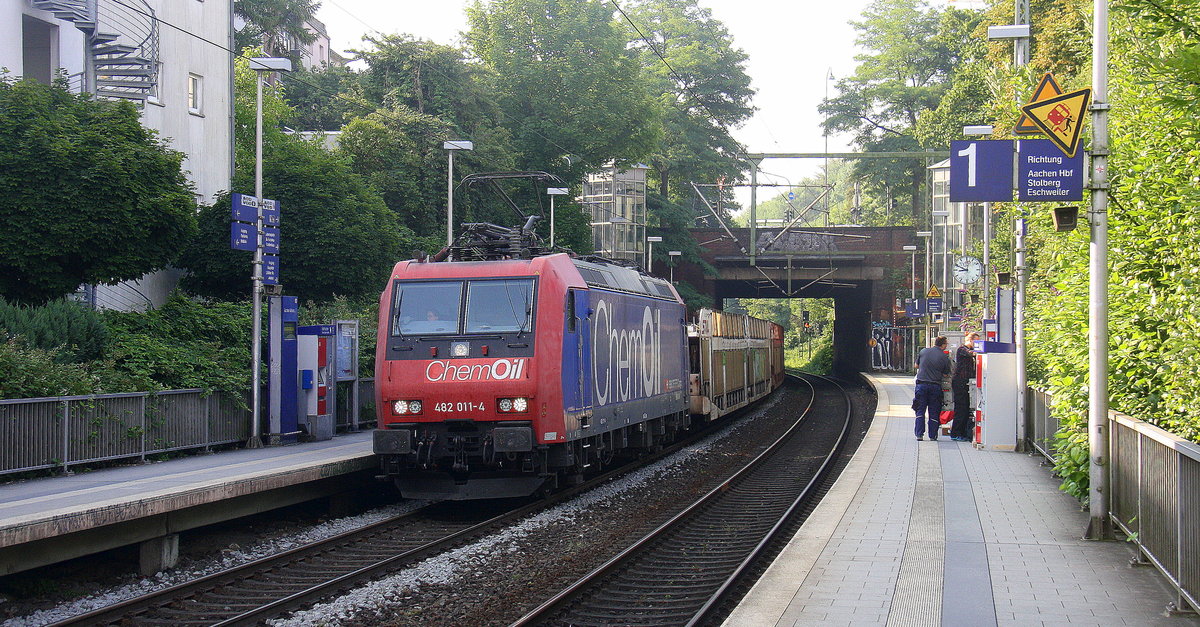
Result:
pixel 170 57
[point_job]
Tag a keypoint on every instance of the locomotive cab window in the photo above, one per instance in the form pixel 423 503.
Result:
pixel 426 308
pixel 500 306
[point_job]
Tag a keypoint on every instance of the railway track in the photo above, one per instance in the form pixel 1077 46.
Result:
pixel 682 572
pixel 276 585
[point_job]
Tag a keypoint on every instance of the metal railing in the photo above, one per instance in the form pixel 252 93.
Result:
pixel 64 431
pixel 1040 423
pixel 1155 500
pixel 1154 490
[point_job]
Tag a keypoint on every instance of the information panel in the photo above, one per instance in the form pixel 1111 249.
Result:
pixel 981 170
pixel 270 270
pixel 1045 174
pixel 241 236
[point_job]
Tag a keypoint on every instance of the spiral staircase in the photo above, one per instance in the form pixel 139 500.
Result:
pixel 122 40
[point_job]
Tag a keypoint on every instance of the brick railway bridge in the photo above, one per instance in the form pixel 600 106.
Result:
pixel 851 265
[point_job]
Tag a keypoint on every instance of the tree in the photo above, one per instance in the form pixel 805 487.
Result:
pixel 912 55
pixel 87 194
pixel 323 99
pixel 706 95
pixel 570 91
pixel 273 24
pixel 337 235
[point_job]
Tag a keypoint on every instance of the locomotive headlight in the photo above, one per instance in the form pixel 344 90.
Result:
pixel 506 404
pixel 414 407
pixel 400 407
pixel 520 404
pixel 460 349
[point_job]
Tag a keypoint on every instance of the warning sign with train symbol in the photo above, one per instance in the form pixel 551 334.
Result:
pixel 1059 115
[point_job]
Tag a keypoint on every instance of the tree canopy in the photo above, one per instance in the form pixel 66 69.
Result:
pixel 87 194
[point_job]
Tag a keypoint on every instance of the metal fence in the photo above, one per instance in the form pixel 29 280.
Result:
pixel 1154 495
pixel 1040 423
pixel 1155 499
pixel 64 431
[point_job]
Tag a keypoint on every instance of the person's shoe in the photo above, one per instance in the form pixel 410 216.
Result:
pixel 933 439
pixel 919 438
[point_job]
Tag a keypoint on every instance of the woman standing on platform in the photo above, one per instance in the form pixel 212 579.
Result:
pixel 964 371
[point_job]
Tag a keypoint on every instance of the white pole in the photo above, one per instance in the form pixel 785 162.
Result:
pixel 1020 58
pixel 1098 526
pixel 987 257
pixel 649 256
pixel 551 221
pixel 913 287
pixel 256 302
pixel 450 200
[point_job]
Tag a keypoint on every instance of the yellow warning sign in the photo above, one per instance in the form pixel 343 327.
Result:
pixel 1047 88
pixel 933 292
pixel 1061 118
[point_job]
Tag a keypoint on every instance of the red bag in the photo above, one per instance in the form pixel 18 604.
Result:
pixel 946 416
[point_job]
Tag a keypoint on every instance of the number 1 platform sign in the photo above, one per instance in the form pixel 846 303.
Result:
pixel 981 170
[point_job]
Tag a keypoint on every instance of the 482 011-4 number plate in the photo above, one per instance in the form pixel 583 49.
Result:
pixel 459 406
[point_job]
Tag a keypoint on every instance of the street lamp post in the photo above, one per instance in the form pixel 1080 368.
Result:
pixel 554 191
pixel 673 253
pixel 451 147
pixel 260 65
pixel 650 252
pixel 928 237
pixel 913 288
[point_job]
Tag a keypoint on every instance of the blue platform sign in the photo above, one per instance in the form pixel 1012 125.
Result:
pixel 1045 174
pixel 934 305
pixel 270 270
pixel 914 308
pixel 241 236
pixel 270 212
pixel 271 240
pixel 245 209
pixel 981 170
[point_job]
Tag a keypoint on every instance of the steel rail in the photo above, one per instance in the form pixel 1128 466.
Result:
pixel 560 601
pixel 130 610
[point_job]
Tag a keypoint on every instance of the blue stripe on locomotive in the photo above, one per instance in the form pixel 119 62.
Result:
pixel 625 361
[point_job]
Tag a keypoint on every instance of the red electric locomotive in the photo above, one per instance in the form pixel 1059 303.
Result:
pixel 508 371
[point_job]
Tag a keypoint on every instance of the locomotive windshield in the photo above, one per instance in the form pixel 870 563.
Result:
pixel 437 307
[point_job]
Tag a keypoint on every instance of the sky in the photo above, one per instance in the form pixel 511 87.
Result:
pixel 792 45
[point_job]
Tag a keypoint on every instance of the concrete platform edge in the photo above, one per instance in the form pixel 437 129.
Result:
pixel 769 598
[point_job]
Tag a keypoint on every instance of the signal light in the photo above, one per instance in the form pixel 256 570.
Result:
pixel 406 407
pixel 509 405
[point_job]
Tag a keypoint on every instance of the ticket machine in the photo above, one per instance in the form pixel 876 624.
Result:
pixel 996 415
pixel 315 357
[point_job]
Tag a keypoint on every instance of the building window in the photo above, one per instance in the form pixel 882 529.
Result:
pixel 195 94
pixel 155 95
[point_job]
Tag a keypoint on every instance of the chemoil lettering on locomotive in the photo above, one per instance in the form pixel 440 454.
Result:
pixel 498 370
pixel 626 362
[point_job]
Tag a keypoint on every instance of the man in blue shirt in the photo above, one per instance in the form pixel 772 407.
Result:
pixel 932 364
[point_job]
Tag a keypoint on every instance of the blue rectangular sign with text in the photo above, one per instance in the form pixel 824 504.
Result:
pixel 934 305
pixel 271 240
pixel 241 236
pixel 270 270
pixel 981 170
pixel 245 208
pixel 1045 174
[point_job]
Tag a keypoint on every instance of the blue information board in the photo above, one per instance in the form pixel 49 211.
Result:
pixel 245 208
pixel 914 308
pixel 981 170
pixel 1045 174
pixel 934 305
pixel 241 236
pixel 270 212
pixel 270 270
pixel 271 240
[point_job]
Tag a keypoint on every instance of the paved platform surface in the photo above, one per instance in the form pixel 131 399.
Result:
pixel 939 533
pixel 49 507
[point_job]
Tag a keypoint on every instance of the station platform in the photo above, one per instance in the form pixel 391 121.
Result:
pixel 940 533
pixel 48 520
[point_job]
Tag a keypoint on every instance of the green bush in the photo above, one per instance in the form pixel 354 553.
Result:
pixel 183 344
pixel 27 372
pixel 68 330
